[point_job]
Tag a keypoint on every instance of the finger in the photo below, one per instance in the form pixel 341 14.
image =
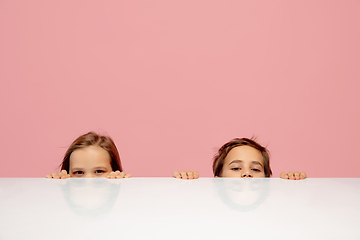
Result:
pixel 55 175
pixel 63 174
pixel 127 176
pixel 291 175
pixel 297 175
pixel 176 174
pixel 112 175
pixel 303 175
pixel 190 175
pixel 283 175
pixel 183 175
pixel 121 175
pixel 196 175
pixel 48 175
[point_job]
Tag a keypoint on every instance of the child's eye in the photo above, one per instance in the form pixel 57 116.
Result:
pixel 256 170
pixel 99 171
pixel 236 169
pixel 78 172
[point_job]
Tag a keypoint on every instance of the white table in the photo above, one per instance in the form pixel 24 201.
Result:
pixel 167 208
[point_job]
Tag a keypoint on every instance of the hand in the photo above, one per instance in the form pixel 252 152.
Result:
pixel 186 175
pixel 60 175
pixel 117 174
pixel 293 176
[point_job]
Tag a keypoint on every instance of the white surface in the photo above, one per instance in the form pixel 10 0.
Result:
pixel 167 208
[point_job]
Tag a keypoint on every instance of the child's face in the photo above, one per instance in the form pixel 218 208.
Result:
pixel 92 161
pixel 243 161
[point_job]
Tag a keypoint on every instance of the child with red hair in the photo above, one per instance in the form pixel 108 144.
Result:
pixel 91 155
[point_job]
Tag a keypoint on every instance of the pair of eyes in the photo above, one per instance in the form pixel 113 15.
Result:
pixel 78 173
pixel 238 169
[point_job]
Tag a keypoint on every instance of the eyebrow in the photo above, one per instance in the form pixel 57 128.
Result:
pixel 99 167
pixel 76 169
pixel 240 161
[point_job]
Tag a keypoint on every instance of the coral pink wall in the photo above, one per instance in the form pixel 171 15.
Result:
pixel 171 81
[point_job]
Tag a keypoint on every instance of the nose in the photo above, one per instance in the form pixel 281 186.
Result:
pixel 246 175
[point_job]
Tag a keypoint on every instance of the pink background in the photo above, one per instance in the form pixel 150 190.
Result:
pixel 171 81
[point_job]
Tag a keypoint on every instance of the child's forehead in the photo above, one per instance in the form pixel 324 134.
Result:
pixel 92 150
pixel 87 156
pixel 244 153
